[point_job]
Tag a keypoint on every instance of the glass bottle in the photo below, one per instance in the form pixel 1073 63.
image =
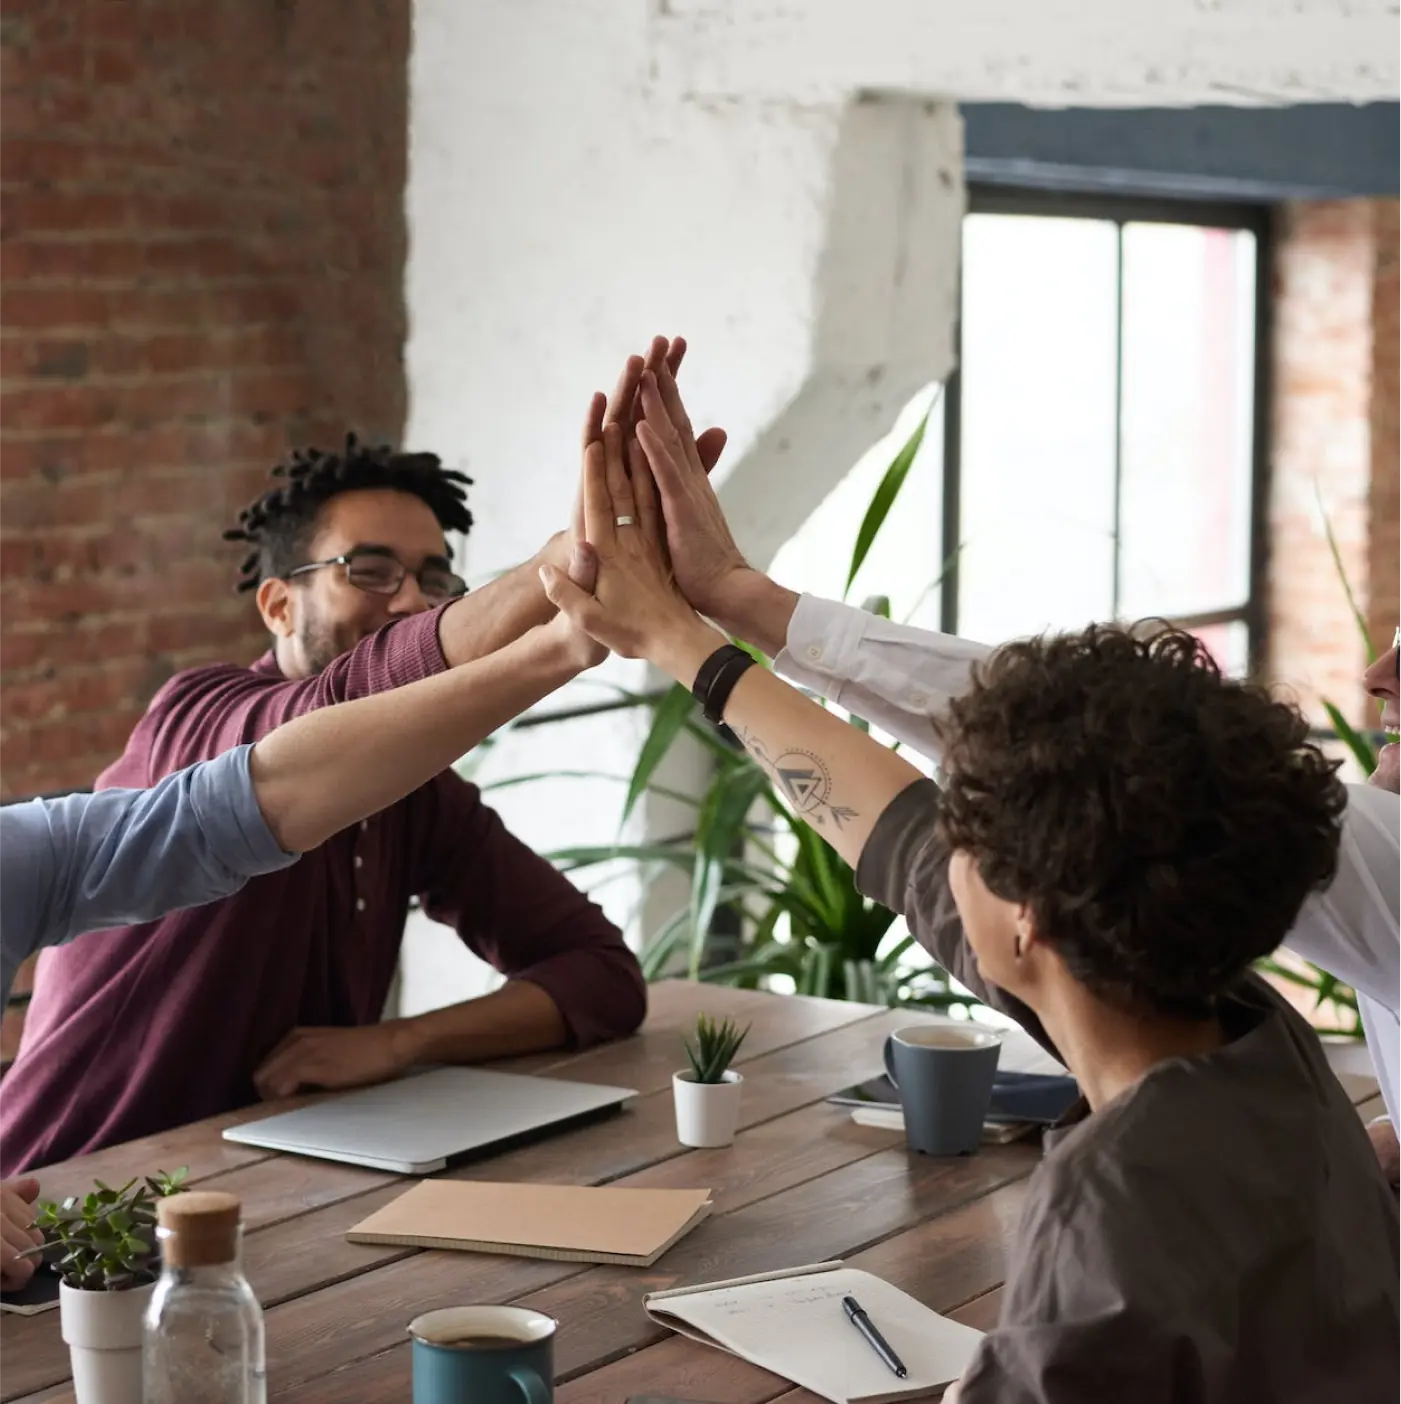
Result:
pixel 204 1328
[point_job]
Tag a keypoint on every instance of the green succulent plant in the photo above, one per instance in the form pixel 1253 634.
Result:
pixel 714 1048
pixel 105 1241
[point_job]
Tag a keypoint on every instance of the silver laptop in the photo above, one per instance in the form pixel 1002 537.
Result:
pixel 416 1124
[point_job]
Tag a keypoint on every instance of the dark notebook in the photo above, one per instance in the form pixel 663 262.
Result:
pixel 40 1293
pixel 1038 1098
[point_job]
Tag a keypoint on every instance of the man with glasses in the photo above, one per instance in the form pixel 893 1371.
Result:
pixel 281 987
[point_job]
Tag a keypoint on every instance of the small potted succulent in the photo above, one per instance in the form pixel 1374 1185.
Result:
pixel 103 1247
pixel 707 1093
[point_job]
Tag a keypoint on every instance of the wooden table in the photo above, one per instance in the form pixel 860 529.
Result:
pixel 800 1184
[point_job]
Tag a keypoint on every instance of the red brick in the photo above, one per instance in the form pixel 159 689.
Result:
pixel 1334 432
pixel 70 262
pixel 27 210
pixel 49 309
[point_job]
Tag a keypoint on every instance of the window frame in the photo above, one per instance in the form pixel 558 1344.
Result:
pixel 1121 210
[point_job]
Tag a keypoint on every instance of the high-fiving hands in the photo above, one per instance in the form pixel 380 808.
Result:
pixel 661 466
pixel 708 564
pixel 636 608
pixel 624 407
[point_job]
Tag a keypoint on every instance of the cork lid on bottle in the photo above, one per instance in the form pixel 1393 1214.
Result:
pixel 198 1228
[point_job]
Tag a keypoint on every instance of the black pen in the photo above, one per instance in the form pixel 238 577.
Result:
pixel 877 1342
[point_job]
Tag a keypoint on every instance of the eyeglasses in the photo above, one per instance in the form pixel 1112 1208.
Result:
pixel 383 575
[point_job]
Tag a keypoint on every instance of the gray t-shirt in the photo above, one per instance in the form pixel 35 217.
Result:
pixel 1220 1233
pixel 122 856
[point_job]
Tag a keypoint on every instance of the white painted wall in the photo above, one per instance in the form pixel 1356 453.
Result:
pixel 561 210
pixel 1056 53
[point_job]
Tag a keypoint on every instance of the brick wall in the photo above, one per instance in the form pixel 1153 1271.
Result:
pixel 1334 433
pixel 1384 505
pixel 201 263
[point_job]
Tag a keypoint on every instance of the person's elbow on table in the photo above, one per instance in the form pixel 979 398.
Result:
pixel 17 1232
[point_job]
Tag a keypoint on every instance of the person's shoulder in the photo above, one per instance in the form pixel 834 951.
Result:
pixel 191 683
pixel 200 697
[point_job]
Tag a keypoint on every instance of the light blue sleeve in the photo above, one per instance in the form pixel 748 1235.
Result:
pixel 118 857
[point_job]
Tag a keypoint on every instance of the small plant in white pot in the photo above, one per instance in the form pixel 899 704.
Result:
pixel 102 1245
pixel 707 1094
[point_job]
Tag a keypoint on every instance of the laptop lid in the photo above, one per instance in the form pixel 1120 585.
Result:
pixel 416 1124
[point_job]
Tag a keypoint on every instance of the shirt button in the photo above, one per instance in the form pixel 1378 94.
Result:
pixel 814 652
pixel 364 824
pixel 359 861
pixel 359 904
pixel 917 699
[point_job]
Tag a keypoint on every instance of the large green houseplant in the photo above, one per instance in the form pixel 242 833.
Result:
pixel 789 911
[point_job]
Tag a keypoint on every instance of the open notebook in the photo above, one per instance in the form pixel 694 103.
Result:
pixel 569 1223
pixel 792 1324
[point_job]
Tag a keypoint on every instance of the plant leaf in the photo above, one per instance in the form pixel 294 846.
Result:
pixel 510 782
pixel 885 495
pixel 1353 739
pixel 1357 615
pixel 672 713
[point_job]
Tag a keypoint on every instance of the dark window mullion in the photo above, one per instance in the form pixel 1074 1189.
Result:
pixel 949 556
pixel 1118 417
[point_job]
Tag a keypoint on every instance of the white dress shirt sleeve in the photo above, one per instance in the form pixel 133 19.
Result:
pixel 896 676
pixel 899 677
pixel 1352 929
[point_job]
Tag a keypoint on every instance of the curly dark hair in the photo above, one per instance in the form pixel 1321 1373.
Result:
pixel 1163 824
pixel 280 523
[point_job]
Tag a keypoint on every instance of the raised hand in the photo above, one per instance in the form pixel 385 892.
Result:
pixel 708 564
pixel 624 407
pixel 636 609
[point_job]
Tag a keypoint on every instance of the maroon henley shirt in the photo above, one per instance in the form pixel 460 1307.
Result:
pixel 141 1028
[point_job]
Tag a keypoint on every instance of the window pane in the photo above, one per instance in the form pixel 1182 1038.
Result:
pixel 1037 429
pixel 1188 388
pixel 1229 644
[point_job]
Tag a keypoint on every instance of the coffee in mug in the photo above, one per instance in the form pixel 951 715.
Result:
pixel 483 1355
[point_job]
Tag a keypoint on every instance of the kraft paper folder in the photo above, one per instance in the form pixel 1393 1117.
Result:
pixel 568 1223
pixel 792 1324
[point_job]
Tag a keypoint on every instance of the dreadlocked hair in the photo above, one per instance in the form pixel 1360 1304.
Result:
pixel 278 525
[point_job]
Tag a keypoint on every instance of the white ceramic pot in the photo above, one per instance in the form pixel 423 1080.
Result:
pixel 103 1331
pixel 706 1112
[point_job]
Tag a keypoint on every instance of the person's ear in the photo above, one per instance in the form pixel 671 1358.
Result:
pixel 1025 929
pixel 276 606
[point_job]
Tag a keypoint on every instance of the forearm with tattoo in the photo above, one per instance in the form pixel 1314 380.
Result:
pixel 804 779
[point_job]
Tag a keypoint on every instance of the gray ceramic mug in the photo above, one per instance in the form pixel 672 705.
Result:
pixel 483 1355
pixel 944 1077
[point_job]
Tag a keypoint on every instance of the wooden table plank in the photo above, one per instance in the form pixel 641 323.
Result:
pixel 678 1367
pixel 648 1060
pixel 1371 1108
pixel 982 1312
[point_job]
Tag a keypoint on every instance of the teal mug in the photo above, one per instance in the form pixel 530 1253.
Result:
pixel 483 1355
